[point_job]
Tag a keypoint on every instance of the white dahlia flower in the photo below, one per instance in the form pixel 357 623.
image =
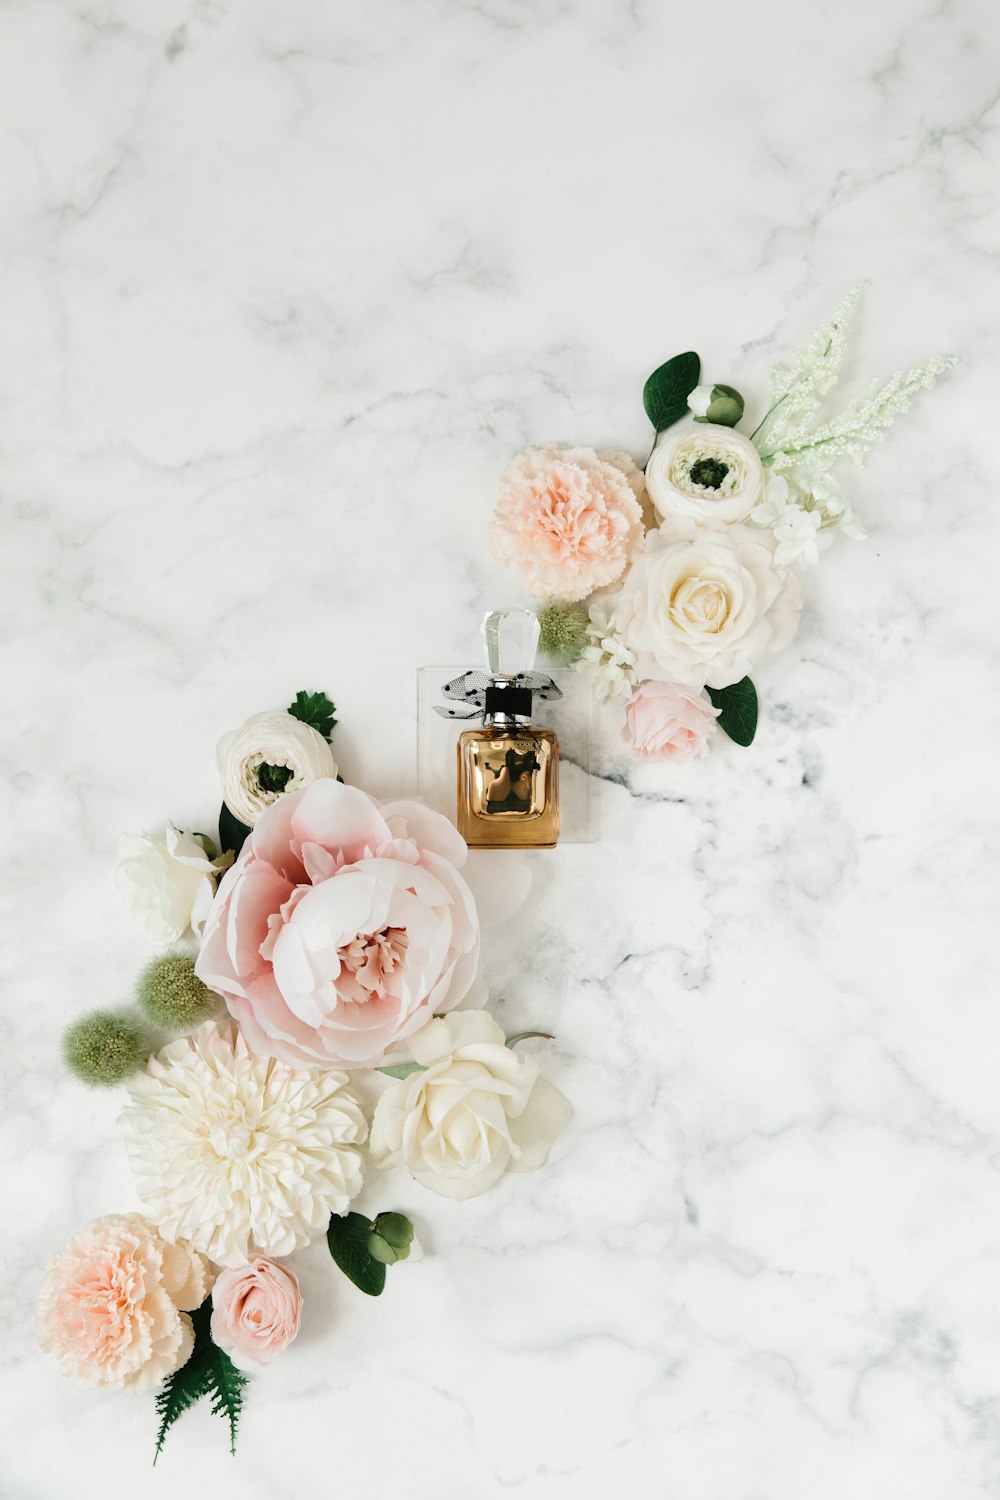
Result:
pixel 239 1154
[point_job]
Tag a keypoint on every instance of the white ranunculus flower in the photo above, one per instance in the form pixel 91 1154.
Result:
pixel 476 1110
pixel 168 884
pixel 707 472
pixel 271 754
pixel 703 603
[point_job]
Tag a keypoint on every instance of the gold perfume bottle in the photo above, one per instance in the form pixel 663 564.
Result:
pixel 508 771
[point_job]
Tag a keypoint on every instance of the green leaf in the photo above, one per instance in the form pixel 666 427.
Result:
pixel 739 710
pixel 666 391
pixel 226 1386
pixel 316 710
pixel 522 1036
pixel 347 1238
pixel 208 1372
pixel 232 833
pixel 402 1070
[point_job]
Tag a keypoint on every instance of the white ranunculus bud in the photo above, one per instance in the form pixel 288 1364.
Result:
pixel 707 472
pixel 269 755
pixel 168 884
pixel 700 400
pixel 475 1111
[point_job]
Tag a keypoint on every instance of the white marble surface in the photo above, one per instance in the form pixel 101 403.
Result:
pixel 283 286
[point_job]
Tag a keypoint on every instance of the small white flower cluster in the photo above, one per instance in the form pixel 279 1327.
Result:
pixel 607 662
pixel 804 511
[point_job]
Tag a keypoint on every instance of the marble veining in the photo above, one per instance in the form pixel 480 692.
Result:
pixel 282 288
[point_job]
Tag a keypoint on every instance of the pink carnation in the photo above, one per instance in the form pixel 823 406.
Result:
pixel 114 1303
pixel 255 1312
pixel 667 721
pixel 342 927
pixel 569 519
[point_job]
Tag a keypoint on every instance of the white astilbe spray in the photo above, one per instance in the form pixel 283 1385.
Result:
pixel 788 437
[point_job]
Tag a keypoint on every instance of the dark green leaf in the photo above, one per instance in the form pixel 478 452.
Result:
pixel 208 1372
pixel 226 1386
pixel 316 710
pixel 402 1070
pixel 666 391
pixel 739 710
pixel 347 1238
pixel 522 1036
pixel 232 833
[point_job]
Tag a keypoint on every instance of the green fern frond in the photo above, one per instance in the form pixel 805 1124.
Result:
pixel 209 1372
pixel 226 1386
pixel 188 1384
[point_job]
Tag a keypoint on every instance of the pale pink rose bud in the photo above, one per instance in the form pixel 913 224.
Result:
pixel 255 1312
pixel 667 721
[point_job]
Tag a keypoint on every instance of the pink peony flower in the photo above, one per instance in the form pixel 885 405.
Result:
pixel 667 721
pixel 342 927
pixel 569 519
pixel 255 1312
pixel 114 1301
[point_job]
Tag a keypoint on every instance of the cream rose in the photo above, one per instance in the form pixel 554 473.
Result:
pixel 168 884
pixel 475 1111
pixel 114 1303
pixel 703 604
pixel 268 756
pixel 709 473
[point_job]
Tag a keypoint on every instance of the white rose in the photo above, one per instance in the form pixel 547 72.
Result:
pixel 703 603
pixel 168 884
pixel 710 473
pixel 476 1111
pixel 269 755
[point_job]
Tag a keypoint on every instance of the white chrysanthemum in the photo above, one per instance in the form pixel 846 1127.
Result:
pixel 239 1154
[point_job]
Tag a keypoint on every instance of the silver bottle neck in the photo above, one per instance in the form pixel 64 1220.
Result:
pixel 512 722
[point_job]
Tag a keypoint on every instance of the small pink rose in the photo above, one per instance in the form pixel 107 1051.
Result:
pixel 255 1312
pixel 667 721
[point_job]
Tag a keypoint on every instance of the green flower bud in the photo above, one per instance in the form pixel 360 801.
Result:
pixel 389 1238
pixel 725 407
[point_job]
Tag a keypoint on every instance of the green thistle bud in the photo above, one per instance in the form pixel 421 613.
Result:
pixel 171 996
pixel 723 406
pixel 562 632
pixel 104 1048
pixel 390 1238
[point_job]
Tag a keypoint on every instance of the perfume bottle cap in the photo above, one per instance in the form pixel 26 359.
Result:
pixel 511 640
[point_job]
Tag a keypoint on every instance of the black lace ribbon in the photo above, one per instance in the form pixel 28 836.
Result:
pixel 467 694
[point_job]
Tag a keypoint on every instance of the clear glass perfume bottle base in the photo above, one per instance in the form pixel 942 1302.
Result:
pixel 508 788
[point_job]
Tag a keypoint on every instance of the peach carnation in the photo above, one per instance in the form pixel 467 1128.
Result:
pixel 114 1303
pixel 569 519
